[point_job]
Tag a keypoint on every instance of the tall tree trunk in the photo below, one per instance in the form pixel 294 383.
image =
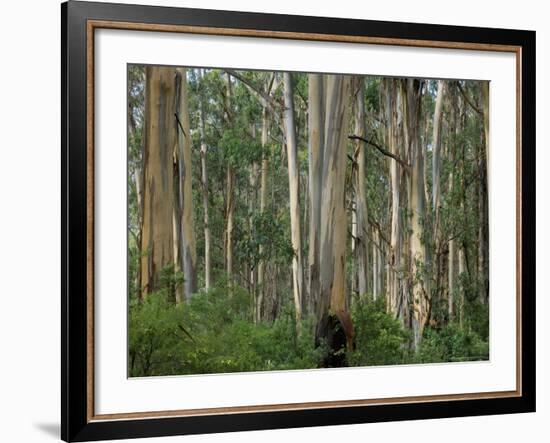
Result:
pixel 436 189
pixel 334 323
pixel 252 179
pixel 361 251
pixel 188 252
pixel 375 274
pixel 483 239
pixel 451 279
pixel 139 198
pixel 316 148
pixel 157 249
pixel 436 150
pixel 263 202
pixel 451 266
pixel 230 215
pixel 375 265
pixel 205 204
pixel 420 301
pixel 230 201
pixel 461 271
pixel 393 139
pixel 294 189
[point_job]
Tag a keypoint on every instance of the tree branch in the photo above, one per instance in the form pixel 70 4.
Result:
pixel 380 232
pixel 179 124
pixel 381 150
pixel 467 99
pixel 265 99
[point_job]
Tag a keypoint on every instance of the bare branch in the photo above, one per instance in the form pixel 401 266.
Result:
pixel 468 100
pixel 265 99
pixel 381 150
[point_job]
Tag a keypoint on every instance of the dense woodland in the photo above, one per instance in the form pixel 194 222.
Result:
pixel 289 221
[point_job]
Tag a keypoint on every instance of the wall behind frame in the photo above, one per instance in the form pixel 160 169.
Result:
pixel 30 222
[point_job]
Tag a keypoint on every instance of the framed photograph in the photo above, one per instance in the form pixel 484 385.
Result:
pixel 277 221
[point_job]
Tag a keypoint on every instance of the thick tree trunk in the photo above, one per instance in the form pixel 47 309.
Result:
pixel 316 149
pixel 294 189
pixel 334 324
pixel 157 249
pixel 412 99
pixel 361 251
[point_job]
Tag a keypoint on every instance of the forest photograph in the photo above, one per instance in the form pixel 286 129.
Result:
pixel 288 220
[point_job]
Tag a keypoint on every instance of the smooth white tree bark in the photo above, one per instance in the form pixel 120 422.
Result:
pixel 294 186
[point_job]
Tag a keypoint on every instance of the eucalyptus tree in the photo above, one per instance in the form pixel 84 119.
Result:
pixel 157 232
pixel 361 245
pixel 333 315
pixel 316 121
pixel 185 254
pixel 294 196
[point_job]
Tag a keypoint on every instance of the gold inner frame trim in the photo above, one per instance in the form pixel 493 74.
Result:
pixel 92 25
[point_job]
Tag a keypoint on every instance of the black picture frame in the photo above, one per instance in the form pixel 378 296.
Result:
pixel 76 422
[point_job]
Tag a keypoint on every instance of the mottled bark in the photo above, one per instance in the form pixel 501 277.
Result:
pixel 437 258
pixel 187 253
pixel 157 248
pixel 394 122
pixel 361 251
pixel 316 147
pixel 334 322
pixel 412 101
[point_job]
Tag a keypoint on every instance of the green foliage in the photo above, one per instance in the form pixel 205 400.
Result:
pixel 214 333
pixel 379 338
pixel 477 319
pixel 154 336
pixel 272 233
pixel 451 344
pixel 372 96
pixel 239 147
